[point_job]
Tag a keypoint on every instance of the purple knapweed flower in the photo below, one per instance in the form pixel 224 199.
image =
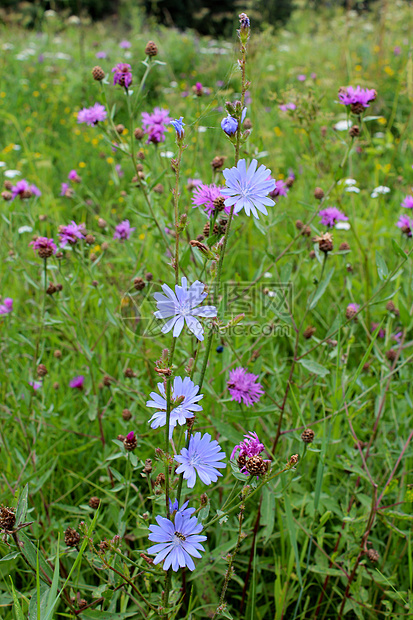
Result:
pixel 178 125
pixel 123 230
pixel 397 50
pixel 155 124
pixel 182 306
pixel 280 189
pixel 248 189
pixel 330 216
pixel 7 306
pixel 101 54
pixel 71 233
pixel 73 176
pixel 229 125
pixel 397 336
pixel 301 77
pixel 204 196
pixel 93 115
pixel 358 98
pixel 119 171
pixel 130 436
pixel 243 386
pixel 122 74
pixel 184 399
pixel 177 541
pixel 351 311
pixel 35 190
pixel 314 76
pixel 203 457
pixel 65 189
pixel 44 247
pixel 125 45
pixel 24 190
pixel 382 332
pixel 284 107
pixel 407 202
pixel 77 382
pixel 251 446
pixel 36 385
pixel 405 223
pixel 198 89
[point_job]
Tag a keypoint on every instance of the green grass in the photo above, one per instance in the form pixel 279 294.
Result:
pixel 308 527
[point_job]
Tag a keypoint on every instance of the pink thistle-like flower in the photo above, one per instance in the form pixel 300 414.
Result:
pixel 24 190
pixel 155 124
pixel 405 223
pixel 382 332
pixel 101 54
pixel 7 306
pixel 407 202
pixel 204 196
pixel 36 385
pixel 73 176
pixel 77 382
pixel 122 74
pixel 357 96
pixel 71 233
pixel 243 386
pixel 44 247
pixel 93 115
pixel 330 216
pixel 123 230
pixel 130 436
pixel 284 107
pixel 280 189
pixel 65 189
pixel 301 77
pixel 125 45
pixel 251 446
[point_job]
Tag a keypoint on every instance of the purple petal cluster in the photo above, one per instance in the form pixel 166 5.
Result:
pixel 73 176
pixel 280 189
pixel 243 386
pixel 330 216
pixel 7 306
pixel 248 189
pixel 407 202
pixel 93 115
pixel 405 223
pixel 203 457
pixel 357 96
pixel 184 399
pixel 77 382
pixel 71 233
pixel 155 124
pixel 122 74
pixel 23 189
pixel 204 196
pixel 181 307
pixel 284 107
pixel 123 230
pixel 178 540
pixel 251 446
pixel 43 245
pixel 382 332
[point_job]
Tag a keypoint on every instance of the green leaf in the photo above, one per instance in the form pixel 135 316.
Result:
pixel 382 268
pixel 267 513
pixel 314 367
pixel 17 607
pixel 398 249
pixel 321 289
pixel 22 505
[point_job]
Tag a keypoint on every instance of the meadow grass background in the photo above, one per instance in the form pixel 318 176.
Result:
pixel 305 531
